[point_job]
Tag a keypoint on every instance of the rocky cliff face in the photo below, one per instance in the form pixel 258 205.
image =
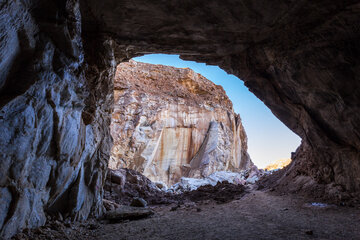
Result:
pixel 55 140
pixel 58 59
pixel 171 122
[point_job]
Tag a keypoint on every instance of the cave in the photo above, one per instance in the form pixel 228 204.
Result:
pixel 58 61
pixel 174 118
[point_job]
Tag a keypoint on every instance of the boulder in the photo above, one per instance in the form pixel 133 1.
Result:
pixel 127 213
pixel 138 202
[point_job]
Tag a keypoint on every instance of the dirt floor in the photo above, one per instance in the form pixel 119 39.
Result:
pixel 256 215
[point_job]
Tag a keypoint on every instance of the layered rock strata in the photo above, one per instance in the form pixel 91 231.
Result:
pixel 58 57
pixel 171 122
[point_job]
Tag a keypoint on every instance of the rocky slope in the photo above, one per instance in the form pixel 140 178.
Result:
pixel 171 122
pixel 55 138
pixel 278 164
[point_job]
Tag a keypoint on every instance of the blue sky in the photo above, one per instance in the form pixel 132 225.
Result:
pixel 268 138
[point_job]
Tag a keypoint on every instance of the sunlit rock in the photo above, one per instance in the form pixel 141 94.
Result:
pixel 191 184
pixel 170 122
pixel 278 164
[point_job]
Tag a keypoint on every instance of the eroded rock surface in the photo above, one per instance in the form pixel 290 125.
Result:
pixel 123 185
pixel 55 140
pixel 171 122
pixel 278 164
pixel 127 213
pixel 300 58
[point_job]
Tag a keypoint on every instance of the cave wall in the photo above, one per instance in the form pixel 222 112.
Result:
pixel 299 57
pixel 58 60
pixel 55 114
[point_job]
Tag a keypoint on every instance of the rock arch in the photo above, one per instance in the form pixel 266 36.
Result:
pixel 58 59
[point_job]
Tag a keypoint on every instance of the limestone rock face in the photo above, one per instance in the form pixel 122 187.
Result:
pixel 170 122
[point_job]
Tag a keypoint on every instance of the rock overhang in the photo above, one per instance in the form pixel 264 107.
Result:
pixel 299 57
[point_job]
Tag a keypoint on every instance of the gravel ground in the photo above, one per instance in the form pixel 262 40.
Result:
pixel 256 215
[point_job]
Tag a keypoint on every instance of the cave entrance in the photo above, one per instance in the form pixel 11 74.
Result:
pixel 145 95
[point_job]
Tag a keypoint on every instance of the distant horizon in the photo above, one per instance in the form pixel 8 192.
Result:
pixel 268 138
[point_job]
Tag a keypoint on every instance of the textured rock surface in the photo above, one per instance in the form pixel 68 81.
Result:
pixel 171 122
pixel 58 59
pixel 278 164
pixel 123 185
pixel 135 185
pixel 127 213
pixel 191 184
pixel 55 140
pixel 300 58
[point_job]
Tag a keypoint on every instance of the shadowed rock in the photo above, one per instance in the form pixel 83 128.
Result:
pixel 58 60
pixel 127 213
pixel 138 202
